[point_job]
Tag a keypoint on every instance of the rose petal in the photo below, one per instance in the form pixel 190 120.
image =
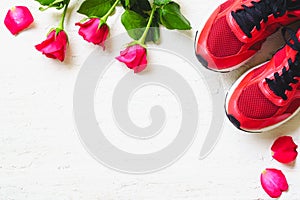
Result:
pixel 142 64
pixel 273 182
pixel 284 149
pixel 17 19
pixel 129 57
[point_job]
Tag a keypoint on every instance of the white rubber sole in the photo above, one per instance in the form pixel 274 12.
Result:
pixel 230 92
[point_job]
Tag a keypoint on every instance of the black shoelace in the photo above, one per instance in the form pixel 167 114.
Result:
pixel 282 82
pixel 250 17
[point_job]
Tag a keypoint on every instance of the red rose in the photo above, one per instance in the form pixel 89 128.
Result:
pixel 55 45
pixel 135 57
pixel 91 32
pixel 17 19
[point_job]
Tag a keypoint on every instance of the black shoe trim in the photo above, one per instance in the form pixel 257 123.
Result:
pixel 202 60
pixel 234 121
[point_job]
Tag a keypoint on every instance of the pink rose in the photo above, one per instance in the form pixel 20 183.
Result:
pixel 135 57
pixel 17 19
pixel 273 182
pixel 91 32
pixel 55 45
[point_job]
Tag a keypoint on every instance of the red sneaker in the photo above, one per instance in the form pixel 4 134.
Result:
pixel 268 95
pixel 237 28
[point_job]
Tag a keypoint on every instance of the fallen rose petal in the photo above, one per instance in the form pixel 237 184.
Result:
pixel 284 149
pixel 273 182
pixel 17 19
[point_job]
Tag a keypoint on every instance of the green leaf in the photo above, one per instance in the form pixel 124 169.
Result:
pixel 171 17
pixel 134 23
pixel 45 2
pixel 95 8
pixel 141 7
pixel 161 2
pixel 58 4
pixel 144 5
pixel 154 33
pixel 127 3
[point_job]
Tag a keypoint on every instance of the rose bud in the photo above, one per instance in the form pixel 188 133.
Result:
pixel 55 45
pixel 284 149
pixel 92 32
pixel 17 19
pixel 273 182
pixel 135 57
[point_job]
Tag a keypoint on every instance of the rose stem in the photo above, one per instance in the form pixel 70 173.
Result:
pixel 104 18
pixel 144 36
pixel 62 20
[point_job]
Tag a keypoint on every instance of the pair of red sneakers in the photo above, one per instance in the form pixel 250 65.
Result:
pixel 267 95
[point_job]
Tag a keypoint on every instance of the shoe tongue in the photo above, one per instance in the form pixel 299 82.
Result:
pixel 250 17
pixel 281 54
pixel 279 58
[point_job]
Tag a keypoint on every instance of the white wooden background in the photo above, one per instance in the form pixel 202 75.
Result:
pixel 41 156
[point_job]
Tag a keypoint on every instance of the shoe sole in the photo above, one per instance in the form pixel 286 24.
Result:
pixel 229 94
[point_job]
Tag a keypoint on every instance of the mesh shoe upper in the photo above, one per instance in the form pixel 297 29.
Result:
pixel 253 104
pixel 221 34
